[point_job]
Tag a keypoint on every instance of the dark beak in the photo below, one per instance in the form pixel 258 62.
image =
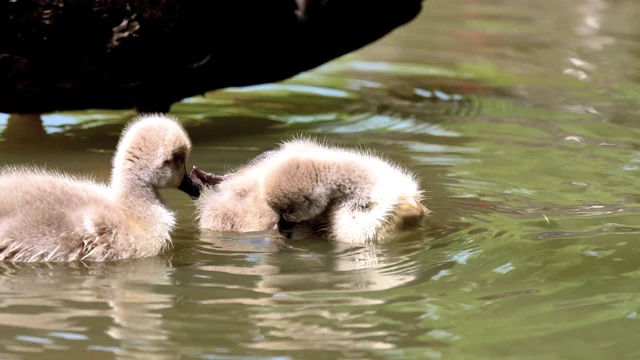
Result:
pixel 285 228
pixel 187 186
pixel 203 179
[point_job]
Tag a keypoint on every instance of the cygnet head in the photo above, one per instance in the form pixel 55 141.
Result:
pixel 389 203
pixel 152 152
pixel 349 195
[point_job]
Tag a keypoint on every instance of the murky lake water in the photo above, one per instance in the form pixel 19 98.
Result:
pixel 521 119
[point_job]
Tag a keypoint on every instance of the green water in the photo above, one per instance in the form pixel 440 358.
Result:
pixel 520 118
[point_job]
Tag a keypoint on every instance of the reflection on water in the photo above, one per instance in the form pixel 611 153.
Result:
pixel 521 121
pixel 85 307
pixel 299 282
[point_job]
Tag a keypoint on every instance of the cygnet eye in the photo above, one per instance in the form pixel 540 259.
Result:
pixel 366 206
pixel 176 159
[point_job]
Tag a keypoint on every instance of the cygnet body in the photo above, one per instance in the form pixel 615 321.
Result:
pixel 51 216
pixel 306 189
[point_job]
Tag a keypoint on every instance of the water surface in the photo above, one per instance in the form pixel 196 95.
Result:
pixel 520 119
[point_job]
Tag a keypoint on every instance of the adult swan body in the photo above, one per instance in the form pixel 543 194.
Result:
pixel 73 54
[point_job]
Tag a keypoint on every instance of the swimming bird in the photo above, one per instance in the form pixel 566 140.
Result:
pixel 52 216
pixel 306 189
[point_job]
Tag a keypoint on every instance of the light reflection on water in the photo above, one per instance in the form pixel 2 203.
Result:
pixel 521 124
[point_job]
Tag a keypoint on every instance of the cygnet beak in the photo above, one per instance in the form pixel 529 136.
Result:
pixel 411 211
pixel 187 186
pixel 203 179
pixel 285 227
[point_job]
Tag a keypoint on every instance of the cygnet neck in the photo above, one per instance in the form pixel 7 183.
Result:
pixel 136 194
